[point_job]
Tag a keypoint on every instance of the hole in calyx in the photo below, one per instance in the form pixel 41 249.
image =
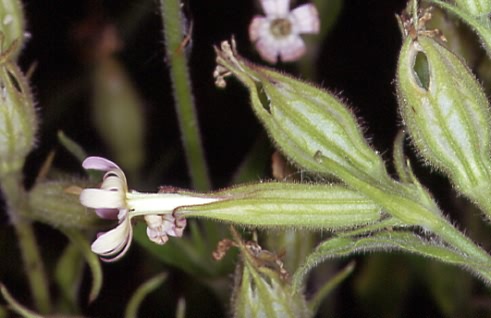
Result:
pixel 422 71
pixel 263 97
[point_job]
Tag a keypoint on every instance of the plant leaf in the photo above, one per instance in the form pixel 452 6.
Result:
pixel 385 241
pixel 142 291
pixel 92 260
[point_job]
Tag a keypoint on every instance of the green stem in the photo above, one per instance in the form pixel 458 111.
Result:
pixel 175 50
pixel 16 201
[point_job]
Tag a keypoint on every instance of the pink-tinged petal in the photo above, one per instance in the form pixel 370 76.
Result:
pixel 268 49
pixel 156 236
pixel 275 8
pixel 102 199
pixel 99 163
pixel 257 27
pixel 115 241
pixel 178 226
pixel 305 19
pixel 109 214
pixel 292 48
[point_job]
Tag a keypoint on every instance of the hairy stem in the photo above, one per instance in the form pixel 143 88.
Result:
pixel 175 38
pixel 16 202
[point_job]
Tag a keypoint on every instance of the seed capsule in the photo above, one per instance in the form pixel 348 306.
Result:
pixel 446 113
pixel 18 123
pixel 12 26
pixel 307 123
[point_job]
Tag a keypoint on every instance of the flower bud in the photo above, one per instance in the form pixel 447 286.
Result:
pixel 475 7
pixel 263 289
pixel 18 121
pixel 12 26
pixel 57 203
pixel 306 123
pixel 446 113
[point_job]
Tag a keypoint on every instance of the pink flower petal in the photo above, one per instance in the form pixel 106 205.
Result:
pixel 305 19
pixel 156 236
pixel 257 27
pixel 99 163
pixel 275 8
pixel 268 49
pixel 292 49
pixel 109 214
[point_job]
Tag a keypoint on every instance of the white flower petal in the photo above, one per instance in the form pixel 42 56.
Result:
pixel 305 19
pixel 275 8
pixel 113 241
pixel 99 163
pixel 102 199
pixel 291 48
pixel 259 25
pixel 268 49
pixel 113 183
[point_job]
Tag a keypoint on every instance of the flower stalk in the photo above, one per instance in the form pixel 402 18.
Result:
pixel 16 206
pixel 175 46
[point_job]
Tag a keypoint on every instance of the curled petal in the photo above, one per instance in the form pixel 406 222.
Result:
pixel 99 163
pixel 108 214
pixel 305 19
pixel 276 8
pixel 114 183
pixel 156 236
pixel 114 242
pixel 178 226
pixel 102 199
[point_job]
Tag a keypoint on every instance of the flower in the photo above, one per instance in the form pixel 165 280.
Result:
pixel 113 201
pixel 278 33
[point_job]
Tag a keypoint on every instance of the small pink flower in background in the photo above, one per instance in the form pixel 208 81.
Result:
pixel 113 201
pixel 278 33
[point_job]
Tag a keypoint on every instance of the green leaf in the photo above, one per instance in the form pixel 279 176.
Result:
pixel 385 241
pixel 140 294
pixel 329 286
pixel 92 260
pixel 16 306
pixel 72 146
pixel 68 272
